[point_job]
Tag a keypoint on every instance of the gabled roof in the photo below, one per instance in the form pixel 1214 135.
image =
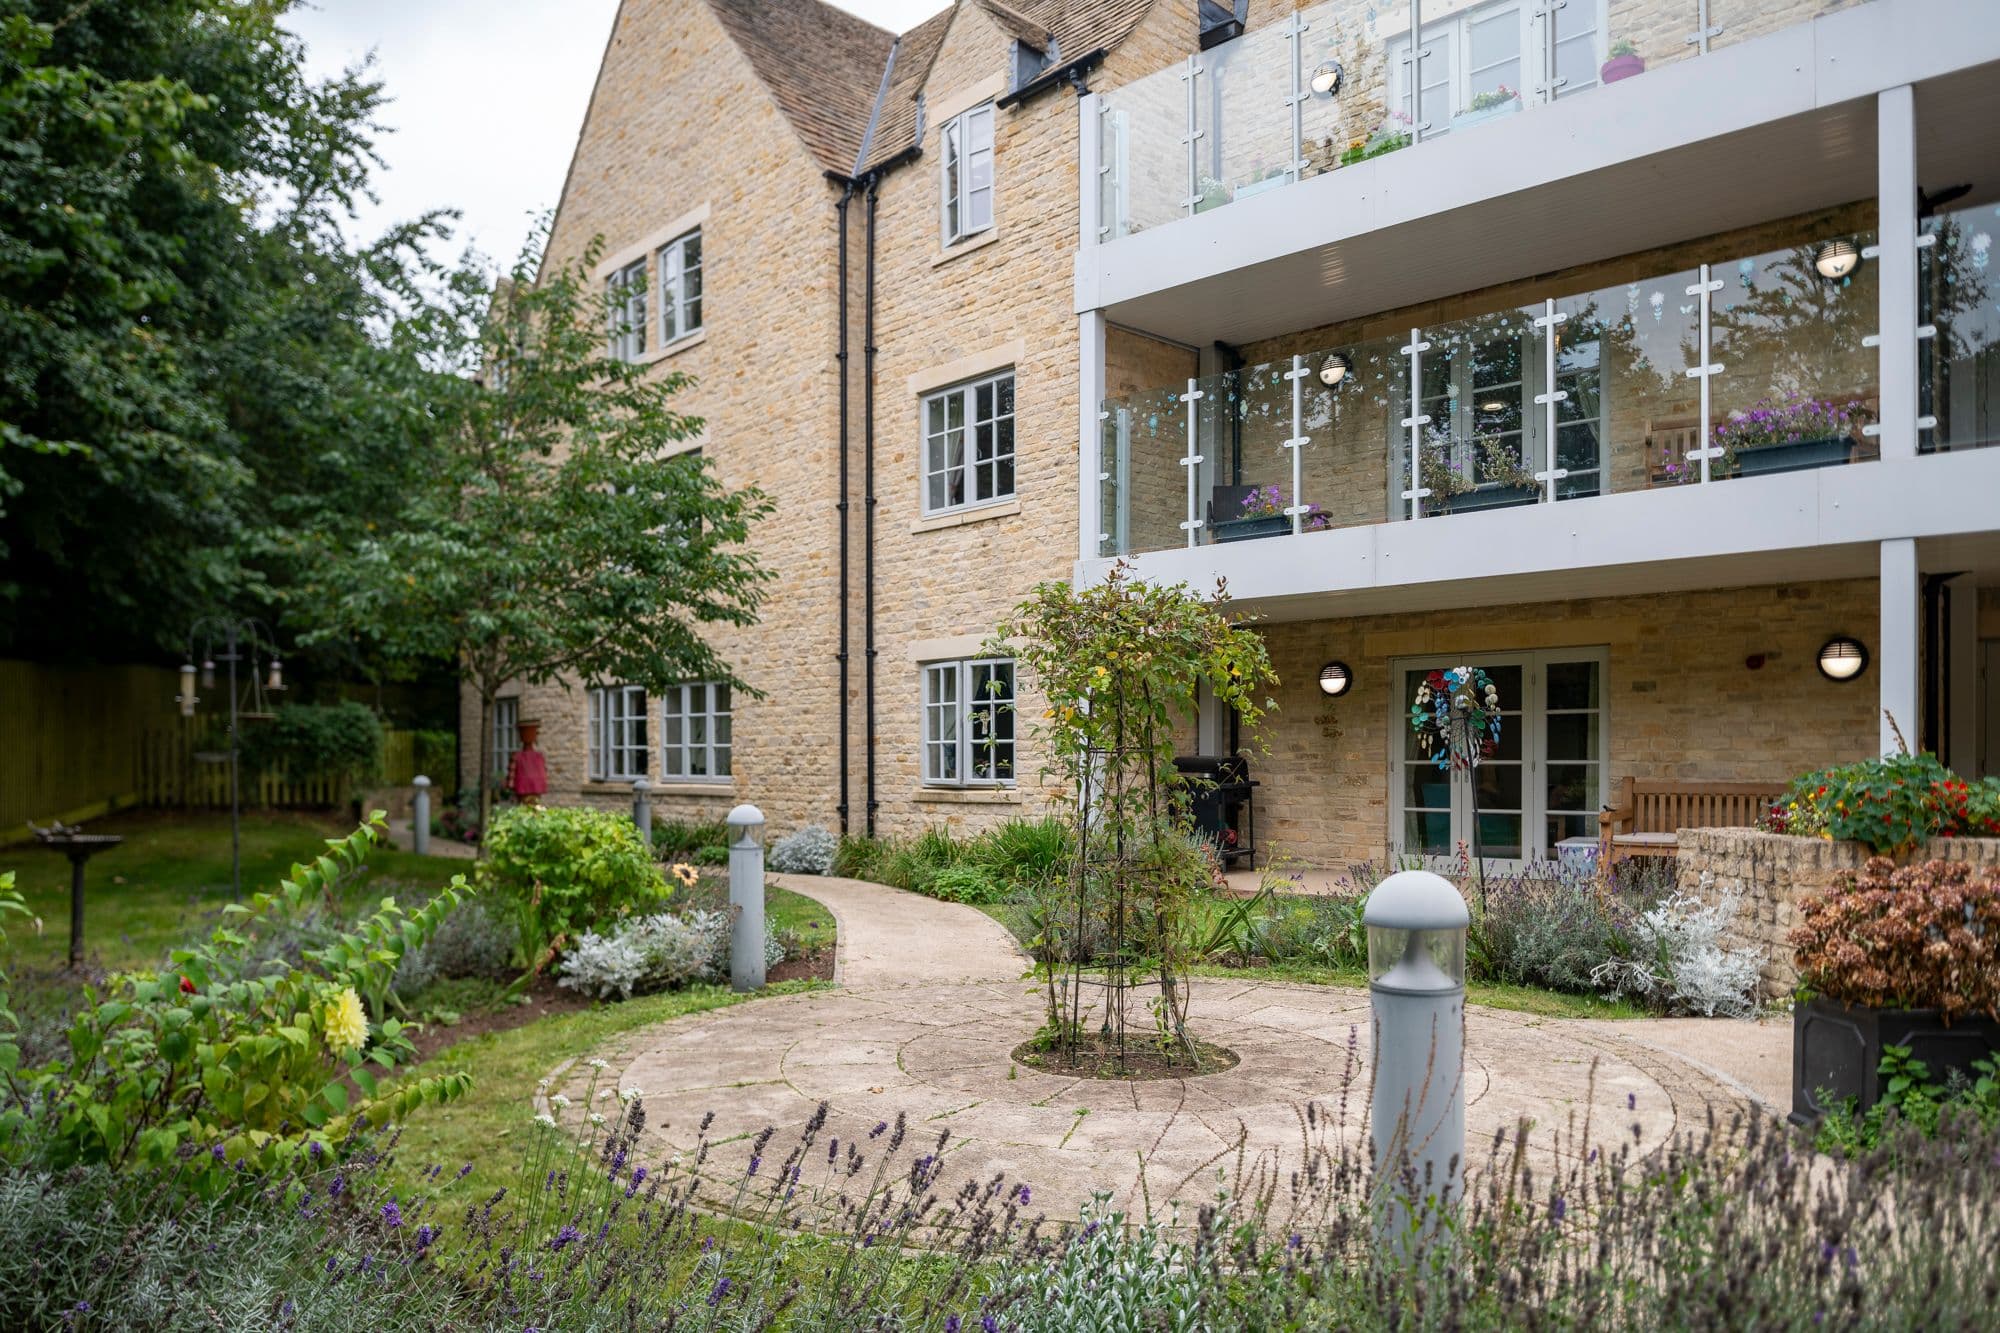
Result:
pixel 822 66
pixel 850 88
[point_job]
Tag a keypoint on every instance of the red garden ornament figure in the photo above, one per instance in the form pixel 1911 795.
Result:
pixel 528 770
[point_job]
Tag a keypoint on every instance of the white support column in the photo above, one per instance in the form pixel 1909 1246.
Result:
pixel 1090 462
pixel 1896 328
pixel 1192 462
pixel 1298 507
pixel 1089 171
pixel 1415 60
pixel 1704 31
pixel 1704 291
pixel 1191 76
pixel 1548 83
pixel 1897 672
pixel 1550 322
pixel 1416 421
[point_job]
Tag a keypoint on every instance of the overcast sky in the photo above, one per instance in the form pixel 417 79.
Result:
pixel 486 97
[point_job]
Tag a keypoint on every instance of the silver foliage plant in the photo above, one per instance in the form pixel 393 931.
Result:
pixel 655 953
pixel 1679 960
pixel 809 851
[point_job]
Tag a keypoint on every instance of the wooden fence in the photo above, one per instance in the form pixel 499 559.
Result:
pixel 78 741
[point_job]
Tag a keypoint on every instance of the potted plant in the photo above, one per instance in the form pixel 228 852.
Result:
pixel 1891 957
pixel 1504 481
pixel 1498 101
pixel 1789 436
pixel 1387 137
pixel 1214 194
pixel 1262 513
pixel 1624 63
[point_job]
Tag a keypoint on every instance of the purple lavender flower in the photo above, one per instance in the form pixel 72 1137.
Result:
pixel 989 1324
pixel 315 1150
pixel 392 1214
pixel 1023 1193
pixel 565 1236
pixel 879 1130
pixel 425 1235
pixel 951 1324
pixel 216 1152
pixel 721 1290
pixel 754 1163
pixel 1559 1210
pixel 336 1185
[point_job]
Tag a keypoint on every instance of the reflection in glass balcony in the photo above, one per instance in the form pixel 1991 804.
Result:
pixel 1734 369
pixel 1958 384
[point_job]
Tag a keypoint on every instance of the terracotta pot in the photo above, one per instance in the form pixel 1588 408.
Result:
pixel 527 731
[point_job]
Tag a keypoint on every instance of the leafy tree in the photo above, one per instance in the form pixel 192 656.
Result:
pixel 561 529
pixel 191 356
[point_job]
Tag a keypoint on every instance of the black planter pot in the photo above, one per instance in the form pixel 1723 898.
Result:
pixel 1493 497
pixel 1837 1051
pixel 1249 529
pixel 1793 456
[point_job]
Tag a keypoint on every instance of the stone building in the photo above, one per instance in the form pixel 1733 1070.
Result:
pixel 1686 335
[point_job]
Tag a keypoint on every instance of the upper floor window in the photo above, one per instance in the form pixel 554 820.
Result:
pixel 626 309
pixel 680 287
pixel 958 471
pixel 695 731
pixel 617 733
pixel 1487 59
pixel 968 173
pixel 969 723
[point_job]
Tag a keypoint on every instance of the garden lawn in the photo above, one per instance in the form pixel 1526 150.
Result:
pixel 168 882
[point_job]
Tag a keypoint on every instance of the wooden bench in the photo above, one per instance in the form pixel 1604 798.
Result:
pixel 1647 813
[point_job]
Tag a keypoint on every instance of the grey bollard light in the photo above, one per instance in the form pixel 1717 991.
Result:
pixel 642 809
pixel 420 816
pixel 746 898
pixel 1416 987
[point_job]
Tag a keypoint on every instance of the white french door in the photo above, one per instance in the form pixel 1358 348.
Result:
pixel 1544 781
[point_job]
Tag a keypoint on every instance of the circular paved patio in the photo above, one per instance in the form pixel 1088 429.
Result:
pixel 932 1002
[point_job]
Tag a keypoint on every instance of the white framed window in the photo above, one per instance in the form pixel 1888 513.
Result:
pixel 506 734
pixel 695 735
pixel 618 747
pixel 967 184
pixel 1489 49
pixel 969 723
pixel 625 306
pixel 969 444
pixel 680 287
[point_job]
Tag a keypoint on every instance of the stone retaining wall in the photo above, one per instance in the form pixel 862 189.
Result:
pixel 1770 872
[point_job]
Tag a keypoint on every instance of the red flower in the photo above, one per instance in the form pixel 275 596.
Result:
pixel 187 987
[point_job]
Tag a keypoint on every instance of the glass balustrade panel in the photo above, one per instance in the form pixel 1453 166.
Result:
pixel 1629 412
pixel 1243 118
pixel 1144 499
pixel 1484 441
pixel 1245 482
pixel 1798 386
pixel 1350 410
pixel 1958 292
pixel 1734 21
pixel 1143 154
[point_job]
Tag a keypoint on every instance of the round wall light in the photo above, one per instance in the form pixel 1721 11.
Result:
pixel 1326 79
pixel 1335 679
pixel 1837 259
pixel 1842 658
pixel 1335 369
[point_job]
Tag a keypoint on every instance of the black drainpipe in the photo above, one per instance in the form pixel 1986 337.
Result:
pixel 868 495
pixel 840 212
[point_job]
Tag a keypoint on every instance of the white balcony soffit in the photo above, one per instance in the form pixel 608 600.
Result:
pixel 1796 527
pixel 1775 126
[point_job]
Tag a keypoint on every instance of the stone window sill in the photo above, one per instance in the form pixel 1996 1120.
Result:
pixel 967 795
pixel 721 787
pixel 979 242
pixel 674 348
pixel 958 518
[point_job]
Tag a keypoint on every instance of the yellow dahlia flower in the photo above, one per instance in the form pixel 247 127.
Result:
pixel 346 1023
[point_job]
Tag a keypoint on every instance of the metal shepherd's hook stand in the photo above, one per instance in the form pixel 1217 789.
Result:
pixel 242 639
pixel 1465 750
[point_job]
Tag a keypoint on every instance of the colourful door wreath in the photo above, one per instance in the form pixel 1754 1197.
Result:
pixel 1478 701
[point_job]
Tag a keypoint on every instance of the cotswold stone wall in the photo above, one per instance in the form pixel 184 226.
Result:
pixel 1771 872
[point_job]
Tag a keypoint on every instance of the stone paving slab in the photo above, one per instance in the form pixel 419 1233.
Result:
pixel 933 1003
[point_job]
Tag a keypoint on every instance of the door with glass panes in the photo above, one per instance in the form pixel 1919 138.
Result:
pixel 1544 782
pixel 1481 378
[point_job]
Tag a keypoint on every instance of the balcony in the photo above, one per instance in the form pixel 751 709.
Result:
pixel 1346 82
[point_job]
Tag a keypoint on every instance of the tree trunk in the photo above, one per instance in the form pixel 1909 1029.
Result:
pixel 485 752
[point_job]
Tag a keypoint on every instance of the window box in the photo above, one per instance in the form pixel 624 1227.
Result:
pixel 1793 455
pixel 1492 497
pixel 1837 1051
pixel 1249 529
pixel 1467 118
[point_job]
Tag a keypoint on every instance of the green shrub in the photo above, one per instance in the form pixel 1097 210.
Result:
pixel 859 858
pixel 680 839
pixel 435 752
pixel 340 741
pixel 229 1055
pixel 561 870
pixel 966 883
pixel 712 854
pixel 1024 852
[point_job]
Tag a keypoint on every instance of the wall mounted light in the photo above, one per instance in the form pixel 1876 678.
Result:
pixel 1836 259
pixel 1326 79
pixel 1842 658
pixel 1334 369
pixel 1335 679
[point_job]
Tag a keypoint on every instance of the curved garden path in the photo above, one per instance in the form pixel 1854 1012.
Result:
pixel 931 1002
